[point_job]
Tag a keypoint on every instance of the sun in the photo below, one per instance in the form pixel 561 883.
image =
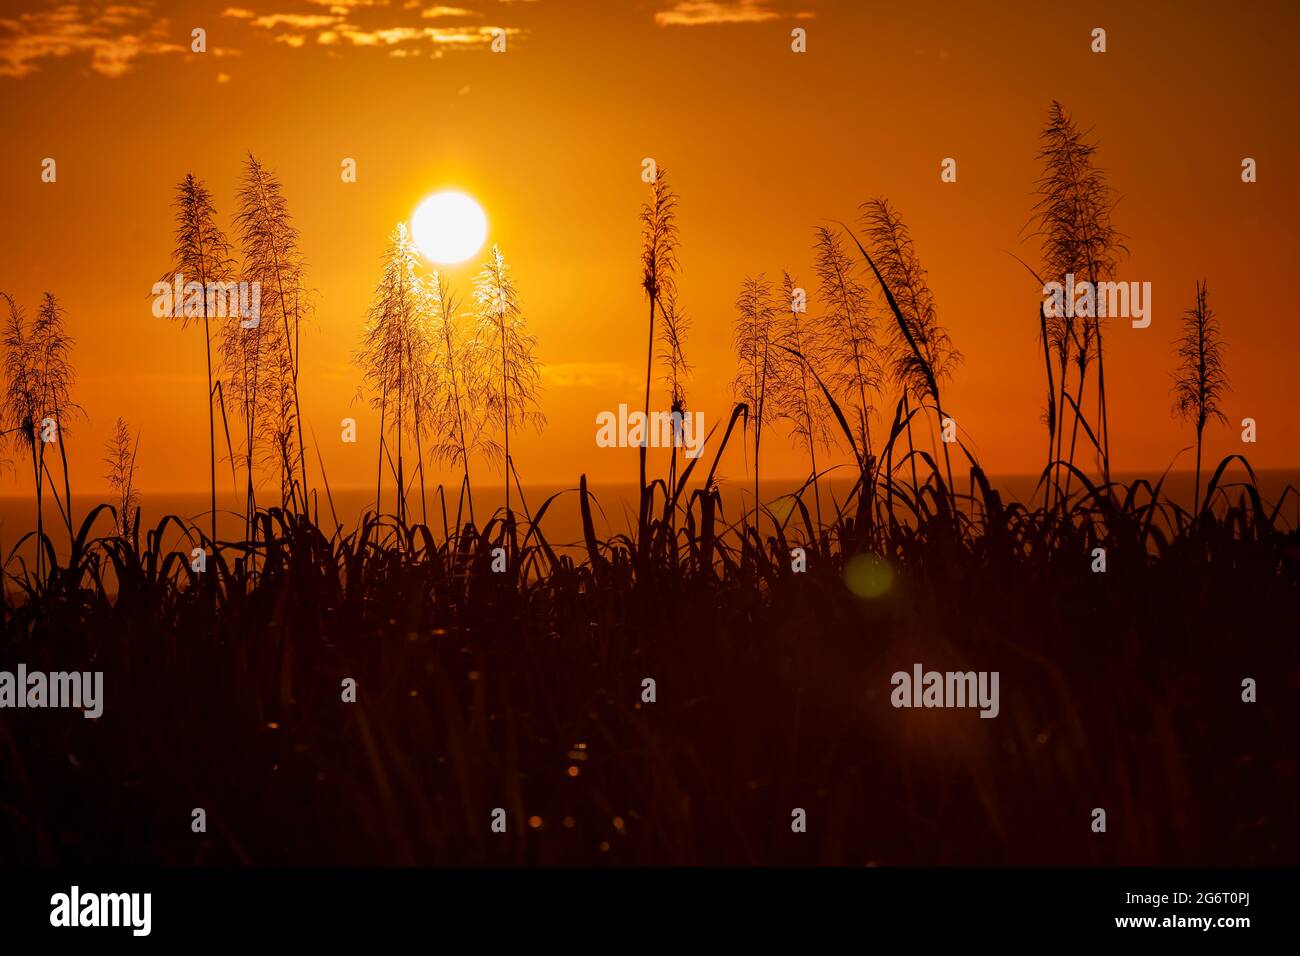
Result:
pixel 448 227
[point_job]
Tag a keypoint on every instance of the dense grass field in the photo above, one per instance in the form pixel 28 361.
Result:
pixel 715 683
pixel 523 689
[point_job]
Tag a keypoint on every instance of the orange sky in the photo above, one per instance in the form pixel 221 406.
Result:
pixel 761 144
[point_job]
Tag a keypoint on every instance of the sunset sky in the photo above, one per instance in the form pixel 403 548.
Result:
pixel 761 144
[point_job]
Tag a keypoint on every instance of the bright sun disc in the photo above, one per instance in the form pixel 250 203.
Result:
pixel 448 227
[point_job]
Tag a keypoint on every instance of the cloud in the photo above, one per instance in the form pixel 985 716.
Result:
pixel 342 6
pixel 481 35
pixel 438 36
pixel 370 24
pixel 121 15
pixel 301 21
pixel 691 13
pixel 432 12
pixel 114 36
pixel 384 37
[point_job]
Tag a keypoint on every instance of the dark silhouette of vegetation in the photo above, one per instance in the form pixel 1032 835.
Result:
pixel 523 690
pixel 479 690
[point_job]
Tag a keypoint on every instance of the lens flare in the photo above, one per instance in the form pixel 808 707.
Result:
pixel 868 576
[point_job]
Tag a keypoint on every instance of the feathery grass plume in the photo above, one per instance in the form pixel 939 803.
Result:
pixel 424 376
pixel 455 394
pixel 923 356
pixel 1200 380
pixel 251 368
pixel 22 409
pixel 801 402
pixel 120 451
pixel 851 348
pixel 658 267
pixel 279 426
pixel 672 355
pixel 508 359
pixel 1073 216
pixel 38 396
pixel 394 356
pixel 51 357
pixel 201 255
pixel 272 258
pixel 759 361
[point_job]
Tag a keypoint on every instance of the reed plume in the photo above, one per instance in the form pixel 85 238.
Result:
pixel 658 267
pixel 251 357
pixel 672 355
pixel 922 352
pixel 272 258
pixel 801 402
pixel 851 347
pixel 279 425
pixel 394 356
pixel 39 376
pixel 202 255
pixel 1200 380
pixel 455 395
pixel 759 361
pixel 1073 216
pixel 21 412
pixel 119 455
pixel 51 351
pixel 508 360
